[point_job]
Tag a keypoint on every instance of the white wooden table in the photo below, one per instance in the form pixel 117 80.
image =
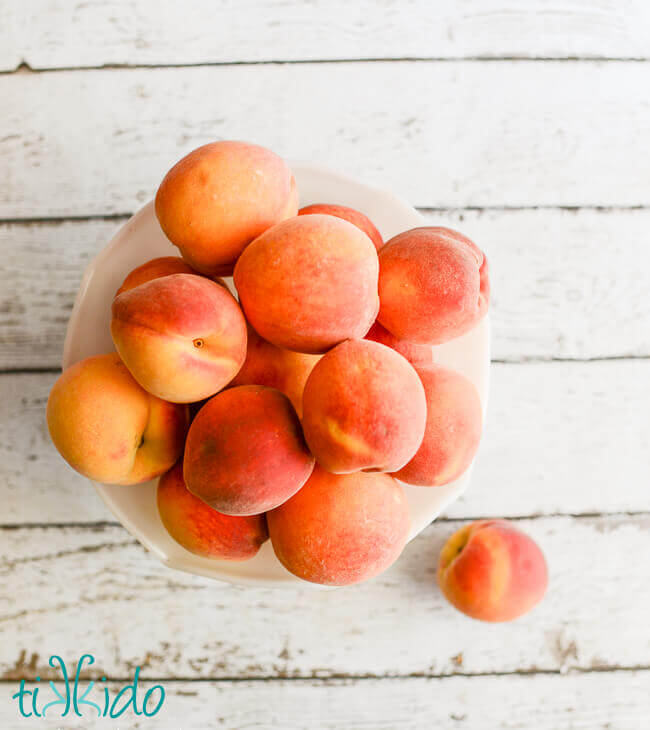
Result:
pixel 524 124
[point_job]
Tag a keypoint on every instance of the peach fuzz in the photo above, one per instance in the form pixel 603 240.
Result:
pixel 201 529
pixel 492 571
pixel 309 283
pixel 453 430
pixel 414 353
pixel 245 452
pixel 183 337
pixel 364 408
pixel 108 428
pixel 220 197
pixel 356 217
pixel 339 530
pixel 275 367
pixel 433 285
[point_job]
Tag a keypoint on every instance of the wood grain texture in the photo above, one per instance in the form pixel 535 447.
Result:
pixel 70 589
pixel 455 134
pixel 565 284
pixel 603 701
pixel 559 438
pixel 46 34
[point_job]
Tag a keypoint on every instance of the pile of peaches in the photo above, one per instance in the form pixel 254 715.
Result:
pixel 295 410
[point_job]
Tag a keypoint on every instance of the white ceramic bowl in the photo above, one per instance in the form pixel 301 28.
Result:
pixel 141 239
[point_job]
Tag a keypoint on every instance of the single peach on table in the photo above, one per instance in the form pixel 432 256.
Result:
pixel 201 529
pixel 220 197
pixel 183 337
pixel 414 353
pixel 245 452
pixel 108 428
pixel 433 285
pixel 453 430
pixel 492 571
pixel 276 367
pixel 309 283
pixel 364 408
pixel 341 529
pixel 356 217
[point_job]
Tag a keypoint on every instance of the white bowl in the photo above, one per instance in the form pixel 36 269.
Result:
pixel 141 239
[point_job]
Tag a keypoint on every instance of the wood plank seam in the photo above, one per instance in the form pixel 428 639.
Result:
pixel 24 67
pixel 336 677
pixel 442 519
pixel 459 210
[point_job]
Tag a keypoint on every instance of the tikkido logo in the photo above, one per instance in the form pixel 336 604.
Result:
pixel 72 699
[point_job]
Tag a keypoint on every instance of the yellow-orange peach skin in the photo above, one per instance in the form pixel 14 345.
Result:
pixel 275 367
pixel 414 353
pixel 453 430
pixel 492 571
pixel 183 337
pixel 201 529
pixel 309 283
pixel 356 217
pixel 433 285
pixel 339 530
pixel 364 408
pixel 245 452
pixel 108 428
pixel 220 197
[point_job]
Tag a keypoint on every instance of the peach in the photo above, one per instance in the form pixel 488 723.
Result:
pixel 309 283
pixel 245 452
pixel 220 197
pixel 492 571
pixel 414 353
pixel 453 430
pixel 108 428
pixel 274 367
pixel 201 529
pixel 364 409
pixel 183 337
pixel 355 217
pixel 154 269
pixel 339 530
pixel 433 285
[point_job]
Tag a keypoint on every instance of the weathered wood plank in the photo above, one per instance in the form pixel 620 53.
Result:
pixel 454 134
pixel 597 701
pixel 560 438
pixel 564 284
pixel 76 589
pixel 48 34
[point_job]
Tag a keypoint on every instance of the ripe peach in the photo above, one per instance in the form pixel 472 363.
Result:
pixel 154 269
pixel 220 197
pixel 414 353
pixel 183 337
pixel 492 571
pixel 355 217
pixel 433 285
pixel 201 529
pixel 339 530
pixel 364 408
pixel 108 428
pixel 453 429
pixel 274 367
pixel 309 283
pixel 245 452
